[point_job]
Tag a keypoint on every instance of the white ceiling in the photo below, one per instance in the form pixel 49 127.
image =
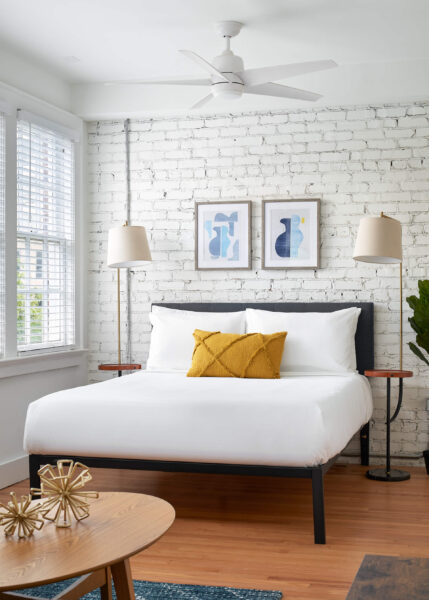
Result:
pixel 381 45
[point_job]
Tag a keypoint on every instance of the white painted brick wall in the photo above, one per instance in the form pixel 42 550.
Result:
pixel 359 160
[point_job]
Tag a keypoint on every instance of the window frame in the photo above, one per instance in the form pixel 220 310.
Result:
pixel 61 121
pixel 46 238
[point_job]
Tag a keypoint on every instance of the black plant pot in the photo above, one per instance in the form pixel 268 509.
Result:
pixel 426 457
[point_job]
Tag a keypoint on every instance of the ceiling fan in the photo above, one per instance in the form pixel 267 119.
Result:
pixel 228 78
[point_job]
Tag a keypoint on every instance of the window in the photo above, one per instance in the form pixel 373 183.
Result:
pixel 2 234
pixel 45 238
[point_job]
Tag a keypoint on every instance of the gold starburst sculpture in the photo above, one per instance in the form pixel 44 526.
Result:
pixel 60 488
pixel 21 515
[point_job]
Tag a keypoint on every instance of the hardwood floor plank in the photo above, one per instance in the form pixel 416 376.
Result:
pixel 257 531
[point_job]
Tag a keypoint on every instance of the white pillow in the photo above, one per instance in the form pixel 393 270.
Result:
pixel 172 342
pixel 315 341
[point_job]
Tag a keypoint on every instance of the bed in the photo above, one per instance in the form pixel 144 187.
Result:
pixel 294 426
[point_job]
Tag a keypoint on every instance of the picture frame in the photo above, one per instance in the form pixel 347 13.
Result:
pixel 291 234
pixel 223 235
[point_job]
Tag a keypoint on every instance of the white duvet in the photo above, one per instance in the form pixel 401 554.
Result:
pixel 291 421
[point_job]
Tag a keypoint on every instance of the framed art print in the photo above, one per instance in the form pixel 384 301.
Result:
pixel 222 235
pixel 290 234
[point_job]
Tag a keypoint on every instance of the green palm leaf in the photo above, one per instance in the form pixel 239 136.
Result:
pixel 420 320
pixel 418 352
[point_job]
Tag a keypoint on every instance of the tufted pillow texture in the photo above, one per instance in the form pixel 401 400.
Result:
pixel 252 355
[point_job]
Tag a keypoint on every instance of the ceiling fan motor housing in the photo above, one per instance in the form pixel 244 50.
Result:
pixel 230 64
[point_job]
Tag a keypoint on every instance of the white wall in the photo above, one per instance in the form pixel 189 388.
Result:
pixel 16 392
pixel 32 79
pixel 357 160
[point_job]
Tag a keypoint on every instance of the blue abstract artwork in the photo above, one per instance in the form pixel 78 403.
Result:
pixel 290 237
pixel 223 236
pixel 288 243
pixel 222 231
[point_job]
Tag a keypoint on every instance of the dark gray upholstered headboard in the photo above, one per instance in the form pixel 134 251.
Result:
pixel 364 334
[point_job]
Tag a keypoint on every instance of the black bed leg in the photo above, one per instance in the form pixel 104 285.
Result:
pixel 364 445
pixel 426 457
pixel 318 506
pixel 34 464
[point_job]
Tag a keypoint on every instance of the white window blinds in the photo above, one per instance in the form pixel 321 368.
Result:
pixel 2 235
pixel 45 238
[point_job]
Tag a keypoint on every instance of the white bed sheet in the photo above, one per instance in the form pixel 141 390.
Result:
pixel 291 421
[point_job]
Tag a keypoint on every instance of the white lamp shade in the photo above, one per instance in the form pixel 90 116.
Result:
pixel 127 246
pixel 379 240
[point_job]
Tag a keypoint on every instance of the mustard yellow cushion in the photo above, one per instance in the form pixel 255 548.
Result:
pixel 231 355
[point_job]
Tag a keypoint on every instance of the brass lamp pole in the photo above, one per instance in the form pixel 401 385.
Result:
pixel 118 271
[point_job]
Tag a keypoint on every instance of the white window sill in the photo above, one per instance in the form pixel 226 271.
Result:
pixel 22 365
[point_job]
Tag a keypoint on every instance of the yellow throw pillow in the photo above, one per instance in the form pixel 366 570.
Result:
pixel 231 355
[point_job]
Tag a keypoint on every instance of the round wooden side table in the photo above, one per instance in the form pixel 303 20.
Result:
pixel 98 548
pixel 388 474
pixel 119 367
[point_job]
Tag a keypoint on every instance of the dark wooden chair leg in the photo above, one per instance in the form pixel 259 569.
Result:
pixel 364 445
pixel 426 457
pixel 34 466
pixel 318 506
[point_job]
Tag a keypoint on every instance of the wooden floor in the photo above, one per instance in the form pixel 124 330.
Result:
pixel 257 531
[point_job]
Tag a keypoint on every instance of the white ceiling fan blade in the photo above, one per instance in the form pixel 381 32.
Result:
pixel 203 101
pixel 266 74
pixel 282 91
pixel 205 65
pixel 161 82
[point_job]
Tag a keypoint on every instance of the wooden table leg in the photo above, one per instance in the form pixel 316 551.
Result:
pixel 106 589
pixel 121 573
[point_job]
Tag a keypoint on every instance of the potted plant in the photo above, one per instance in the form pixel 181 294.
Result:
pixel 420 323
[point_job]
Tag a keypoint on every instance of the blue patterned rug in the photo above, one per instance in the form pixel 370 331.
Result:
pixel 150 590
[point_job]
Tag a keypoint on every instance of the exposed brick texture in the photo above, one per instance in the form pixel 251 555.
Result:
pixel 359 160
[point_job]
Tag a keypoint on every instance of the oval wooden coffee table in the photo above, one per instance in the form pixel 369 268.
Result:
pixel 98 548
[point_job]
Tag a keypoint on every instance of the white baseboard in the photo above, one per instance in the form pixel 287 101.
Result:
pixel 13 471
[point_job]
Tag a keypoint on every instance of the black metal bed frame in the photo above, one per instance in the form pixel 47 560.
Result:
pixel 365 360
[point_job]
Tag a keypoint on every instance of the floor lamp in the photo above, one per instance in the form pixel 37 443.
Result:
pixel 127 247
pixel 379 240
